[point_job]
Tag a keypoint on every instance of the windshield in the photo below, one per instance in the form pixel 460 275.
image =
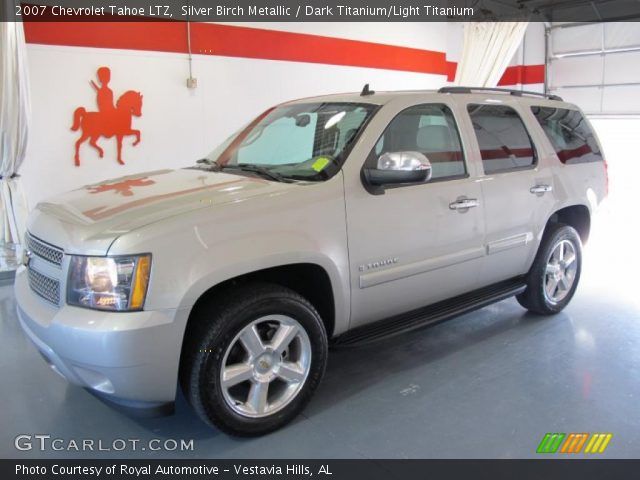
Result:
pixel 301 141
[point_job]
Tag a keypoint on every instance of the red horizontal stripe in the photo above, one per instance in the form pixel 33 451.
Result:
pixel 570 154
pixel 451 71
pixel 444 156
pixel 522 75
pixel 151 36
pixel 233 41
pixel 499 153
pixel 245 42
pixel 517 74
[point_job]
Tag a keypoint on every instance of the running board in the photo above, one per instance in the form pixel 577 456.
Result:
pixel 432 314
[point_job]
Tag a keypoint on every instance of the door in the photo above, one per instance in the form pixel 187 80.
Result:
pixel 414 245
pixel 517 188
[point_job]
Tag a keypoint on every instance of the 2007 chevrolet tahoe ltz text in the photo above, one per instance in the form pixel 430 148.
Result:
pixel 332 220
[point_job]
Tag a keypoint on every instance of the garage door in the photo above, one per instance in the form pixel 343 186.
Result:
pixel 596 66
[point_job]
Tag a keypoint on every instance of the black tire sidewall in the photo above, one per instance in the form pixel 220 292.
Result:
pixel 208 363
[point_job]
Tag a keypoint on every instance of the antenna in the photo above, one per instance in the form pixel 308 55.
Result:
pixel 366 91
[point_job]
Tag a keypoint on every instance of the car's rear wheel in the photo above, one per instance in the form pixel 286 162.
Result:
pixel 256 359
pixel 554 275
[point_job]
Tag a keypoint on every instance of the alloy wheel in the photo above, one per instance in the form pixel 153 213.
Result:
pixel 265 366
pixel 560 272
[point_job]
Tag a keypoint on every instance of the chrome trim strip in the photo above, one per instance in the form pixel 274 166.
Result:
pixel 510 242
pixel 416 268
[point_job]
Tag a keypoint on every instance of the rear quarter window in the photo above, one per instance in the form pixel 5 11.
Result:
pixel 569 134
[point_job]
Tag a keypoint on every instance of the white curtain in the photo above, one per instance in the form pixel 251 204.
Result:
pixel 488 48
pixel 15 110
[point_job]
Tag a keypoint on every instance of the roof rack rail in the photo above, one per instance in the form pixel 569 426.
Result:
pixel 515 93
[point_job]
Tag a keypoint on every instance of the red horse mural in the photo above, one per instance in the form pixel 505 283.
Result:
pixel 109 120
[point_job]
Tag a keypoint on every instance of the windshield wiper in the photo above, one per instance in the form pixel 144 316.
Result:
pixel 264 172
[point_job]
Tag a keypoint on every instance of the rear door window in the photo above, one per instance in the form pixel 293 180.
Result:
pixel 502 137
pixel 569 134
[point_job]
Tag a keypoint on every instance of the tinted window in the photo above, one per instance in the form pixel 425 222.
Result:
pixel 569 134
pixel 503 140
pixel 428 129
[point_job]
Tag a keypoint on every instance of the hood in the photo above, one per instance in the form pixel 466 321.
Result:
pixel 89 219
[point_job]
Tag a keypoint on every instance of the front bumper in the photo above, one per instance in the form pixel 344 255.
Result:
pixel 127 358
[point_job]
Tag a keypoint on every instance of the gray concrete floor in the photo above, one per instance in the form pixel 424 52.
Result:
pixel 487 384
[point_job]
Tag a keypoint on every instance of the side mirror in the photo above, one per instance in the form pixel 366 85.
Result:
pixel 399 167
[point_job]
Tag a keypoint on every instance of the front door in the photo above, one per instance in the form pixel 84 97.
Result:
pixel 414 245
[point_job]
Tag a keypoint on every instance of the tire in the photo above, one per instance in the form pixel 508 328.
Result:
pixel 244 330
pixel 541 296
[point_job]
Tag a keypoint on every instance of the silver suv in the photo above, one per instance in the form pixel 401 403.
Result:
pixel 339 219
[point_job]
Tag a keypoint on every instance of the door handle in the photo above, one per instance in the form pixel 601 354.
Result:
pixel 541 189
pixel 464 204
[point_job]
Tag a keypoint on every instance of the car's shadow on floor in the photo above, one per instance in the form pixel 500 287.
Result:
pixel 354 369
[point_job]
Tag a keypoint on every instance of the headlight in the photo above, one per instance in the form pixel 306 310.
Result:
pixel 109 283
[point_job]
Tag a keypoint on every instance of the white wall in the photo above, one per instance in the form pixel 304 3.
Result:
pixel 180 125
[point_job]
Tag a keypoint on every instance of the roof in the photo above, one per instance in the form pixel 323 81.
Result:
pixel 473 94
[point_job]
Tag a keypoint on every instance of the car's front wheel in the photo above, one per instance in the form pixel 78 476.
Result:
pixel 555 273
pixel 256 359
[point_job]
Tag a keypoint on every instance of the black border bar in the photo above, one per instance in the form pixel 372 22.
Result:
pixel 547 469
pixel 320 10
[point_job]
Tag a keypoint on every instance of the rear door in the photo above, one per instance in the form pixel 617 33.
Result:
pixel 517 187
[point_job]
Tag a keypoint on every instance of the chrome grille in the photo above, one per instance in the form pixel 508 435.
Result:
pixel 45 251
pixel 46 287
